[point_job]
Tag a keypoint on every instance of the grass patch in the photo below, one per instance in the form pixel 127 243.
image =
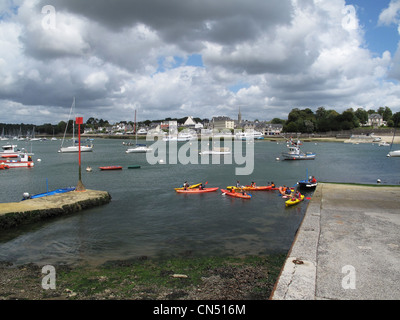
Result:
pixel 154 279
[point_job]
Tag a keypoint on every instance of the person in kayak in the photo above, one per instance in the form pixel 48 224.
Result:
pixel 201 186
pixel 272 184
pixel 253 184
pixel 186 185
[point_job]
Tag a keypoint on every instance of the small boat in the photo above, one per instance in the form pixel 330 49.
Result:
pixel 395 153
pixel 135 166
pixel 236 194
pixel 74 148
pixel 224 150
pixel 10 150
pixel 111 168
pixel 193 186
pixel 49 193
pixel 294 201
pixel 384 144
pixel 307 183
pixel 140 148
pixel 250 188
pixel 294 152
pixel 282 191
pixel 89 169
pixel 197 190
pixel 3 166
pixel 23 160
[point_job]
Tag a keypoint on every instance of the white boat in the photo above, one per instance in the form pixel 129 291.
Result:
pixel 74 147
pixel 224 150
pixel 9 149
pixel 247 135
pixel 181 137
pixel 384 144
pixel 23 160
pixel 294 152
pixel 139 148
pixel 394 153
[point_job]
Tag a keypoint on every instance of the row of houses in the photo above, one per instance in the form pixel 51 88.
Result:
pixel 216 123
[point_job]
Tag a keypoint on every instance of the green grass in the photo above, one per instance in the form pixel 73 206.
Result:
pixel 149 276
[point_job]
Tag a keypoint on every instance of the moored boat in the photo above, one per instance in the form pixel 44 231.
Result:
pixel 308 183
pixel 26 196
pixel 111 168
pixel 22 160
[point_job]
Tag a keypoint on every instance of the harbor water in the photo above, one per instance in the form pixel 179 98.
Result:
pixel 146 217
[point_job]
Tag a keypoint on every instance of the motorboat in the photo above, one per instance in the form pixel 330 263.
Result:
pixel 181 137
pixel 22 160
pixel 10 150
pixel 294 153
pixel 307 183
pixel 249 135
pixel 224 150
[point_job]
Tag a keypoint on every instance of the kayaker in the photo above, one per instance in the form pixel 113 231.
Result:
pixel 201 187
pixel 238 184
pixel 297 195
pixel 253 184
pixel 186 185
pixel 272 184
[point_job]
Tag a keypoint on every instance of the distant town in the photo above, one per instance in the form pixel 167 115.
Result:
pixel 299 121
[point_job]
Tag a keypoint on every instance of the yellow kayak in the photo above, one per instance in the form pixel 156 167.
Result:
pixel 293 201
pixel 193 186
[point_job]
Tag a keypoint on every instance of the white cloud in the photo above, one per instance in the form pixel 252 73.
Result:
pixel 391 14
pixel 298 53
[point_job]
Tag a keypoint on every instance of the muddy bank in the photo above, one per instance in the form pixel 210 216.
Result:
pixel 211 278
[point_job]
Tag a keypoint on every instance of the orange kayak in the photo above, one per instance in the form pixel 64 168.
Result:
pixel 111 168
pixel 236 194
pixel 197 190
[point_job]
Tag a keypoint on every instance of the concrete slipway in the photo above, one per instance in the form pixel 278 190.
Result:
pixel 347 247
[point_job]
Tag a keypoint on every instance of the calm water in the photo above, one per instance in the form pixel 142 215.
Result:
pixel 146 217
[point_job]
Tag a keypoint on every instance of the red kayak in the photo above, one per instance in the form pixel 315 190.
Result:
pixel 236 194
pixel 111 168
pixel 197 190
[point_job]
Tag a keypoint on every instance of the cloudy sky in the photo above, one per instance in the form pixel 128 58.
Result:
pixel 203 58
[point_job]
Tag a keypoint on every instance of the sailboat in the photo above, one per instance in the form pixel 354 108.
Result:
pixel 73 148
pixel 139 148
pixel 394 153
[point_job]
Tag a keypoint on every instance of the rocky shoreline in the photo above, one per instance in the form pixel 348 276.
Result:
pixel 211 278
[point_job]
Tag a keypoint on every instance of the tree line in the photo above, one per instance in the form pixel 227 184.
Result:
pixel 323 120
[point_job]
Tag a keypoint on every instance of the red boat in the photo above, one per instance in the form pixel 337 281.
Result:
pixel 111 168
pixel 197 190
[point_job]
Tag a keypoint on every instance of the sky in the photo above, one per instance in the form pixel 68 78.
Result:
pixel 200 58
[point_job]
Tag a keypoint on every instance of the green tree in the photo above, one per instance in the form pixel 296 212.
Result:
pixel 362 115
